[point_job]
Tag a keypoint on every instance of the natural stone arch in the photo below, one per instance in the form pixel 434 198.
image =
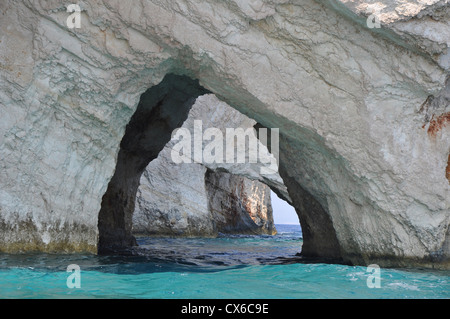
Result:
pixel 355 103
pixel 162 109
pixel 318 179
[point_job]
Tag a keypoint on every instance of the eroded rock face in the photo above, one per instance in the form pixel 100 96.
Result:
pixel 353 104
pixel 205 204
pixel 205 199
pixel 239 205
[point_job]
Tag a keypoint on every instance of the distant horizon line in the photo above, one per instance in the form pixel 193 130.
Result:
pixel 297 224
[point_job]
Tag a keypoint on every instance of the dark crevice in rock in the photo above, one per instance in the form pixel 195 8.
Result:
pixel 447 169
pixel 161 109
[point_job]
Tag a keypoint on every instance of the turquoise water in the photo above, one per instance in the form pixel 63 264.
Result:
pixel 224 267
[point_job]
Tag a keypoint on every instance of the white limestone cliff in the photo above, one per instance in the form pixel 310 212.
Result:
pixel 363 113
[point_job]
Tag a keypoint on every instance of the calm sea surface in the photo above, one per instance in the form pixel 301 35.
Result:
pixel 224 267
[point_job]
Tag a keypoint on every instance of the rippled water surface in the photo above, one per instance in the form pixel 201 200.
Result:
pixel 224 267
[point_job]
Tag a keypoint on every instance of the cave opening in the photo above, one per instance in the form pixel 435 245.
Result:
pixel 183 204
pixel 162 109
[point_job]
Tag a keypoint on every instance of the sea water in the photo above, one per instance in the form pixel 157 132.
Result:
pixel 229 266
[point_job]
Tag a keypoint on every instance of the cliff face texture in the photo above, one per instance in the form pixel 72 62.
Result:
pixel 362 113
pixel 205 199
pixel 211 203
pixel 239 205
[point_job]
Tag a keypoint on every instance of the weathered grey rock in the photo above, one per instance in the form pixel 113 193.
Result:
pixel 193 199
pixel 239 205
pixel 197 202
pixel 172 201
pixel 360 134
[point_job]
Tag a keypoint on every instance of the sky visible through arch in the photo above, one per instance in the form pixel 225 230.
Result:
pixel 283 213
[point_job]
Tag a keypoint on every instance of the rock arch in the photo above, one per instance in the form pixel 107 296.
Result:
pixel 161 110
pixel 353 107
